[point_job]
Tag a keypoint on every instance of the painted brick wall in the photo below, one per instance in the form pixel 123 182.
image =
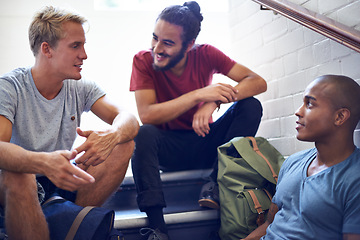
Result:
pixel 289 56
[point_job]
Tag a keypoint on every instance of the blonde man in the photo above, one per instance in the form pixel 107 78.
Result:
pixel 40 110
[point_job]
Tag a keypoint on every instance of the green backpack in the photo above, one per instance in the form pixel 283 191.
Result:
pixel 247 177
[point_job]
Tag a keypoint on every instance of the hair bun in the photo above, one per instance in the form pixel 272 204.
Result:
pixel 195 9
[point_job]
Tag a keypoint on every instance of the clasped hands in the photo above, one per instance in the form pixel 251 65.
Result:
pixel 211 95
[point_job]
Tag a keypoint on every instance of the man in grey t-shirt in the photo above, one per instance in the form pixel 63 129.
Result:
pixel 40 109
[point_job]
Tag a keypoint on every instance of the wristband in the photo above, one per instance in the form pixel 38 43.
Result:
pixel 218 103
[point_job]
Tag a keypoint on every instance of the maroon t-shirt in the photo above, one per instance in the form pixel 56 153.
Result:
pixel 203 61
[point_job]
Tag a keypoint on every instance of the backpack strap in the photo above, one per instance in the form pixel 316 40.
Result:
pixel 257 150
pixel 257 204
pixel 267 193
pixel 75 225
pixel 260 218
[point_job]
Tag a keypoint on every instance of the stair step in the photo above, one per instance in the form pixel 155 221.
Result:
pixel 137 219
pixel 183 215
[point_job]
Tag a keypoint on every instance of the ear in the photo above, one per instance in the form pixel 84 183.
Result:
pixel 342 115
pixel 190 45
pixel 45 49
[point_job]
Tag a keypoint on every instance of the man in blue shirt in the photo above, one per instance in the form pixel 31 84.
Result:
pixel 318 194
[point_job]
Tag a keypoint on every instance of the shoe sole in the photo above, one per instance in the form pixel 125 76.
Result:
pixel 208 203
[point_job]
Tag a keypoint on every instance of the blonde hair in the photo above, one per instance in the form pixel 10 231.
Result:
pixel 47 26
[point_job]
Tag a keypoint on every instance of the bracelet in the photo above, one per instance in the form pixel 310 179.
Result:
pixel 218 103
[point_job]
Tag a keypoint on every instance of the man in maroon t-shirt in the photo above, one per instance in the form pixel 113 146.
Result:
pixel 176 98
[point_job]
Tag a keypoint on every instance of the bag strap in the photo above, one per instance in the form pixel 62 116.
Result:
pixel 75 225
pixel 267 193
pixel 257 204
pixel 260 218
pixel 53 199
pixel 257 150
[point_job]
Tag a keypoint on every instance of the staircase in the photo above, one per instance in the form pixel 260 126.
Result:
pixel 184 217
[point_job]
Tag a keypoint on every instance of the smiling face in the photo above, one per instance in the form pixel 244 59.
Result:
pixel 167 46
pixel 317 115
pixel 68 55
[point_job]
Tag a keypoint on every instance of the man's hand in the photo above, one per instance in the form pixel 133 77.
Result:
pixel 201 118
pixel 222 92
pixel 219 92
pixel 97 147
pixel 64 174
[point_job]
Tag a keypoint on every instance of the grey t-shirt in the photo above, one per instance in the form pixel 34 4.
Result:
pixel 40 124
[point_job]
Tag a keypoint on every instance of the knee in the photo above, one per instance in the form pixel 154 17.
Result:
pixel 250 106
pixel 146 133
pixel 253 103
pixel 18 182
pixel 128 148
pixel 257 109
pixel 123 152
pixel 147 139
pixel 18 185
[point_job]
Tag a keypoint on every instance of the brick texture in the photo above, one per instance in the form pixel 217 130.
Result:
pixel 289 56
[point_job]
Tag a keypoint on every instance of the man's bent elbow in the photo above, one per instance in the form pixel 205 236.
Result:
pixel 148 119
pixel 262 84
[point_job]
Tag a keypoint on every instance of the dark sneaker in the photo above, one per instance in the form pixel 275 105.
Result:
pixel 3 236
pixel 209 195
pixel 152 234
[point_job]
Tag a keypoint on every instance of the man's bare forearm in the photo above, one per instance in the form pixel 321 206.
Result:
pixel 16 159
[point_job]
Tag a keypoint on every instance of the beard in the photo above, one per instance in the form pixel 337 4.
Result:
pixel 173 60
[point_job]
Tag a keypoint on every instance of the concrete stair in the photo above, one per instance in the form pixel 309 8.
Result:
pixel 184 217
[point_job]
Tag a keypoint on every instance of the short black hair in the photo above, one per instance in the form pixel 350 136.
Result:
pixel 345 94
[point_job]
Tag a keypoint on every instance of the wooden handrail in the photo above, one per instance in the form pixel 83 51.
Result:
pixel 317 22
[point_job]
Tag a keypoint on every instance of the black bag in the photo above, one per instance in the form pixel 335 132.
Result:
pixel 68 221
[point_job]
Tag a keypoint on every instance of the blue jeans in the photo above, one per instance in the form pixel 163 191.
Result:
pixel 178 150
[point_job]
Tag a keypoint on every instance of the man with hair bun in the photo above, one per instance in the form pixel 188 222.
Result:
pixel 317 195
pixel 40 111
pixel 176 99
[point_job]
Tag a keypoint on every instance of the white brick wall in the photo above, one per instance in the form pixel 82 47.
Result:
pixel 289 56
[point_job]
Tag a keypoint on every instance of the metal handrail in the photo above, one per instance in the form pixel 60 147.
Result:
pixel 328 27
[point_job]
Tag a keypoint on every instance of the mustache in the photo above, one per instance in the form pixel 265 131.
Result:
pixel 160 54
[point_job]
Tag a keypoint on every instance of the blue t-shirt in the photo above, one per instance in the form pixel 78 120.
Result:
pixel 40 124
pixel 323 206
